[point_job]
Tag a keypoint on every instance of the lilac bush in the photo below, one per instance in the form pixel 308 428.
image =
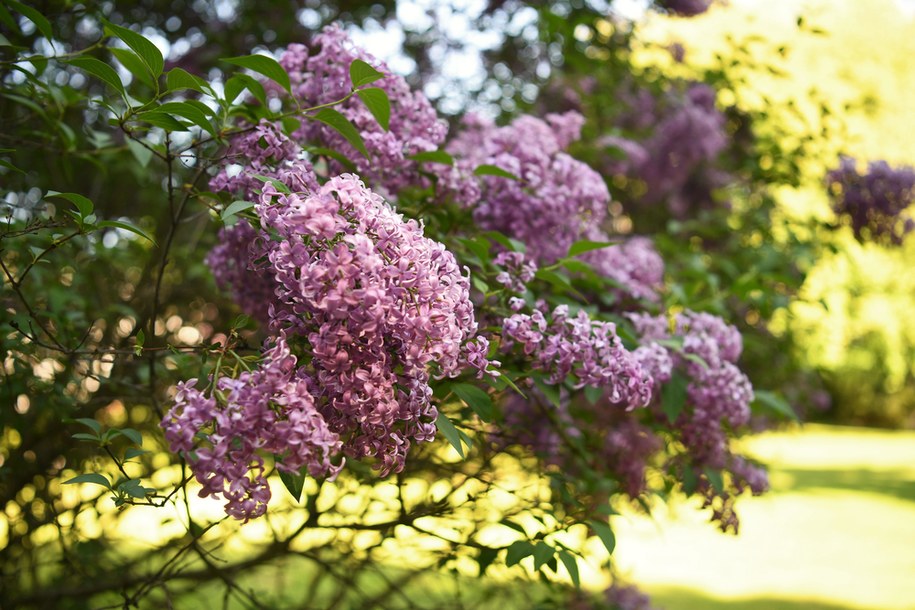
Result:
pixel 874 203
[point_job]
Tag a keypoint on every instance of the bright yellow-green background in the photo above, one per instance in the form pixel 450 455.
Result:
pixel 838 530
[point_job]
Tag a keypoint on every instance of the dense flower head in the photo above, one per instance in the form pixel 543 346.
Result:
pixel 231 262
pixel 589 349
pixel 377 306
pixel 320 74
pixel 685 8
pixel 269 410
pixel 683 133
pixel 254 150
pixel 634 264
pixel 718 392
pixel 874 202
pixel 555 199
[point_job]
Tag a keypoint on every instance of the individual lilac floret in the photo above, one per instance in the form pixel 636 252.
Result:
pixel 874 203
pixel 380 306
pixel 555 199
pixel 685 8
pixel 270 410
pixel 589 349
pixel 320 75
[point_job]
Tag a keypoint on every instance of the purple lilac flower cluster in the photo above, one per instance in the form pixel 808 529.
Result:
pixel 589 349
pixel 320 75
pixel 718 393
pixel 634 264
pixel 874 203
pixel 255 150
pixel 374 307
pixel 518 270
pixel 556 198
pixel 270 410
pixel 676 162
pixel 685 8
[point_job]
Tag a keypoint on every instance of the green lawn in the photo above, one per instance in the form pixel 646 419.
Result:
pixel 836 532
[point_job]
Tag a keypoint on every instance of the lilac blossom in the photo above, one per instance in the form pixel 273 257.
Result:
pixel 255 150
pixel 555 199
pixel 589 349
pixel 518 270
pixel 685 8
pixel 378 307
pixel 875 202
pixel 269 410
pixel 319 74
pixel 634 264
pixel 718 394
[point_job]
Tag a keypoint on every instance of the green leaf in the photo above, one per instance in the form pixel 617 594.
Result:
pixel 518 551
pixel 475 398
pixel 82 203
pixel 264 65
pixel 580 247
pixel 10 166
pixel 276 183
pixel 542 554
pixel 177 80
pixel 134 65
pixel 774 403
pixel 376 100
pixel 605 534
pixel 117 224
pixel 715 478
pixel 486 557
pixel 341 125
pixel 100 70
pixel 673 396
pixel 147 51
pixel 134 489
pixel 556 279
pixel 161 119
pixel 138 346
pixel 235 207
pixel 433 156
pixel 92 477
pixel 142 154
pixel 40 21
pixel 82 436
pixel 550 391
pixel 593 394
pixel 294 484
pixel 89 423
pixel 133 435
pixel 189 112
pixel 512 244
pixel 133 452
pixel 361 73
pixel 571 564
pixel 239 82
pixel 451 433
pixel 494 170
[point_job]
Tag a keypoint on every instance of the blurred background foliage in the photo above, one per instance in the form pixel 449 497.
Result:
pixel 827 321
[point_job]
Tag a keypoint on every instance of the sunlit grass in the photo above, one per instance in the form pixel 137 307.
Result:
pixel 836 531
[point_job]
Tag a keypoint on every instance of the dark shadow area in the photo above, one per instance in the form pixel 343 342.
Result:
pixel 676 598
pixel 895 483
